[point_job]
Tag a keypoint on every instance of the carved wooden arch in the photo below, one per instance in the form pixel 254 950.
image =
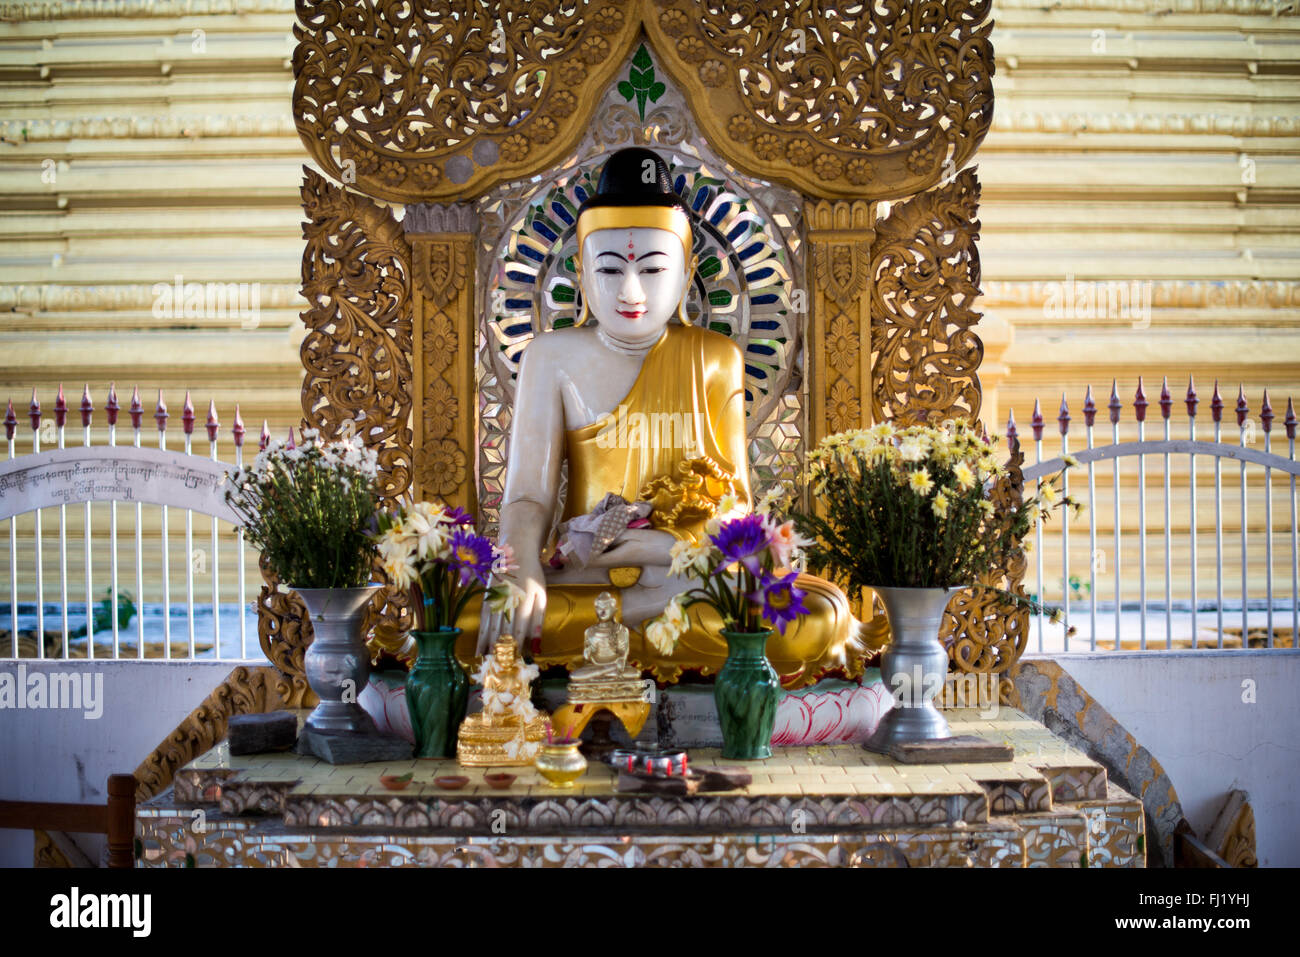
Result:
pixel 437 101
pixel 432 103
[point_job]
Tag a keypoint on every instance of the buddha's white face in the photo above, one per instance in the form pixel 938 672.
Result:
pixel 632 279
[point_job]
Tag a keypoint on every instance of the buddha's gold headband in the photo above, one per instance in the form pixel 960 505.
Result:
pixel 671 218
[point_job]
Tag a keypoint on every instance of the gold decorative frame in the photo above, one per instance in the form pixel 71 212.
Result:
pixel 405 103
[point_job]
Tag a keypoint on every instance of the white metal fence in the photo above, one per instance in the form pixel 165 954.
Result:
pixel 83 504
pixel 1241 592
pixel 70 507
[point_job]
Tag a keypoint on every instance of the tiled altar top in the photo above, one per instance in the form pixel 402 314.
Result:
pixel 840 770
pixel 817 806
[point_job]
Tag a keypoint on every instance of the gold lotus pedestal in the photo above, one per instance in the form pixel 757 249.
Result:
pixel 484 745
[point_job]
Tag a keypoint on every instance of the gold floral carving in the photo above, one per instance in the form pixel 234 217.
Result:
pixel 925 273
pixel 442 100
pixel 1239 847
pixel 245 691
pixel 356 278
pixel 444 370
pixel 1232 836
pixel 839 101
pixel 985 632
pixel 284 639
pixel 839 236
pixel 440 267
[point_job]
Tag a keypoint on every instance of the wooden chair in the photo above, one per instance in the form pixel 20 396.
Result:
pixel 116 818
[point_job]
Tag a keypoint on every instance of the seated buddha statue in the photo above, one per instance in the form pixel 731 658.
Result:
pixel 641 403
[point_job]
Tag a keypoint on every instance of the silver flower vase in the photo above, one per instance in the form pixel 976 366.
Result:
pixel 913 666
pixel 337 667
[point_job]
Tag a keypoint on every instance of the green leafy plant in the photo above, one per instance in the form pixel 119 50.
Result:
pixel 911 508
pixel 311 510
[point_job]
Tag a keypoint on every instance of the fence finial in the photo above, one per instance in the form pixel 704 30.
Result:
pixel 1063 417
pixel 1089 408
pixel 291 444
pixel 1166 400
pixel 187 414
pixel 1216 403
pixel 1290 420
pixel 1013 437
pixel 1243 409
pixel 1192 400
pixel 1266 413
pixel 137 409
pixel 60 408
pixel 212 423
pixel 1140 402
pixel 160 413
pixel 264 439
pixel 1115 405
pixel 111 407
pixel 87 407
pixel 238 428
pixel 1036 421
pixel 34 411
pixel 11 421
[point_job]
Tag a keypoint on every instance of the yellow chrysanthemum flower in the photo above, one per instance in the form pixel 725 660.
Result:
pixel 920 481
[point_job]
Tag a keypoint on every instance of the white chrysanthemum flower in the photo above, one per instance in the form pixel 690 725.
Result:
pixel 920 481
pixel 401 570
pixel 882 431
pixel 912 448
pixel 772 498
pixel 660 637
pixel 688 558
pixel 503 597
pixel 964 474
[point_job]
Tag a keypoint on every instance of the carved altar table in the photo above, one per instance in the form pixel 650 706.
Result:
pixel 819 806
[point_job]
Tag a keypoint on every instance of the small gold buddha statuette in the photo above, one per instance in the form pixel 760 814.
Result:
pixel 509 730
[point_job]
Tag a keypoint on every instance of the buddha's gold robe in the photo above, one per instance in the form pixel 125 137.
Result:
pixel 678 440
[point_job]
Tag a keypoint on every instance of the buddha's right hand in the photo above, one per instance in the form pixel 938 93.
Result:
pixel 528 614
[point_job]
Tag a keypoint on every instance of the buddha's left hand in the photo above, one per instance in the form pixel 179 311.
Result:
pixel 636 546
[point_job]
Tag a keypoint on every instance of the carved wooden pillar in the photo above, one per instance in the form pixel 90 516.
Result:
pixel 840 234
pixel 442 250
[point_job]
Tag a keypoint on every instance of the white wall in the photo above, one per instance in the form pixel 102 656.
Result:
pixel 1193 712
pixel 66 755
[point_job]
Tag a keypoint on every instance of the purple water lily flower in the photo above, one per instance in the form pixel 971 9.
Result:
pixel 782 601
pixel 743 540
pixel 458 516
pixel 472 554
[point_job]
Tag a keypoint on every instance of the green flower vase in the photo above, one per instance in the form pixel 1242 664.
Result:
pixel 746 693
pixel 437 694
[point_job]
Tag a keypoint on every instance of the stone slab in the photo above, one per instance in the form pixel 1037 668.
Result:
pixel 259 733
pixel 345 747
pixel 961 749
